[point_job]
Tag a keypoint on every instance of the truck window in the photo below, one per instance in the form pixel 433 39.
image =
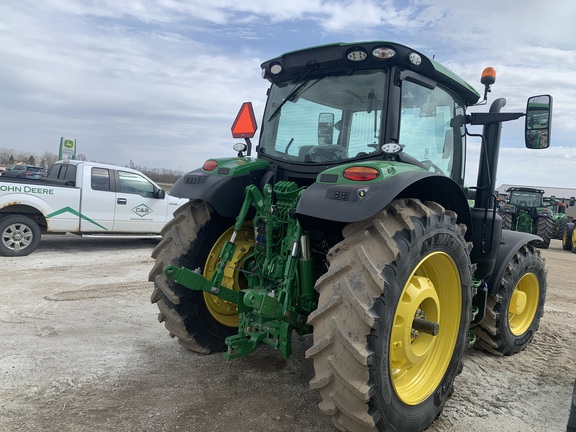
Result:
pixel 100 179
pixel 64 173
pixel 135 184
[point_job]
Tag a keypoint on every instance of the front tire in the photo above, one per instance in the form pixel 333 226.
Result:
pixel 567 237
pixel 561 231
pixel 374 370
pixel 19 235
pixel 193 239
pixel 513 314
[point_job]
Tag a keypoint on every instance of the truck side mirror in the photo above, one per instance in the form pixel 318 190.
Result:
pixel 160 193
pixel 538 121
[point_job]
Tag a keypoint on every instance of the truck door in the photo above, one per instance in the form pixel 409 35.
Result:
pixel 140 208
pixel 98 202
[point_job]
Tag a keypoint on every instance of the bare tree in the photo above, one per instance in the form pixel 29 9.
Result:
pixel 48 159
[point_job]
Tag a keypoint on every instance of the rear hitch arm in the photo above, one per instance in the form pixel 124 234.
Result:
pixel 195 281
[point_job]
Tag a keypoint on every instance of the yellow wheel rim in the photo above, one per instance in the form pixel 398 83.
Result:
pixel 523 304
pixel 418 360
pixel 224 311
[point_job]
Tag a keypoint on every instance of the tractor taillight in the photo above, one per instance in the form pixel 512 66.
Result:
pixel 383 53
pixel 361 173
pixel 210 165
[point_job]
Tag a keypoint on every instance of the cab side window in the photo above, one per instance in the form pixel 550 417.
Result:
pixel 427 129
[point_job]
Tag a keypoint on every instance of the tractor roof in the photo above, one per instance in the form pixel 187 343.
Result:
pixel 525 189
pixel 348 57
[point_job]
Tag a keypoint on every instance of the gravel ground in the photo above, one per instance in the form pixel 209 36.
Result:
pixel 81 350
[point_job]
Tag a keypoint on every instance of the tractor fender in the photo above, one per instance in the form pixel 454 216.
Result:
pixel 543 212
pixel 508 208
pixel 225 193
pixel 356 201
pixel 510 243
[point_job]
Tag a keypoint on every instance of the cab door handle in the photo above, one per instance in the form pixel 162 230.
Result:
pixel 122 201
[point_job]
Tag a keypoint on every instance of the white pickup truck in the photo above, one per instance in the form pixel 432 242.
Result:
pixel 82 198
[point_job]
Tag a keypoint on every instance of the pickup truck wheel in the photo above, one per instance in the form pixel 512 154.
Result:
pixel 194 239
pixel 20 235
pixel 392 319
pixel 513 314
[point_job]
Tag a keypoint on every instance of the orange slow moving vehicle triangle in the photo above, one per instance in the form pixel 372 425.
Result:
pixel 245 124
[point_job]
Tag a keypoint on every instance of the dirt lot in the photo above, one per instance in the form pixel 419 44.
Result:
pixel 81 350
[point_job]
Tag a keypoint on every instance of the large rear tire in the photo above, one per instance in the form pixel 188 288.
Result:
pixel 506 221
pixel 194 239
pixel 375 371
pixel 571 427
pixel 546 228
pixel 513 314
pixel 19 235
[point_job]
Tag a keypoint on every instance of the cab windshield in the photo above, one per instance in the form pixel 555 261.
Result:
pixel 526 199
pixel 324 120
pixel 338 118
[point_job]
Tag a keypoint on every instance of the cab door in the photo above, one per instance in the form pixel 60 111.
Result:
pixel 141 206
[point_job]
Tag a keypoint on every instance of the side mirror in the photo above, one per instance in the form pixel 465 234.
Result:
pixel 160 193
pixel 538 122
pixel 325 128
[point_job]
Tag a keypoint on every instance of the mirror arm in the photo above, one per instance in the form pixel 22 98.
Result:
pixel 484 118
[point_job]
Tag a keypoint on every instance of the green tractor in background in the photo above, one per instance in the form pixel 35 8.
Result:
pixel 524 210
pixel 569 237
pixel 352 224
pixel 558 209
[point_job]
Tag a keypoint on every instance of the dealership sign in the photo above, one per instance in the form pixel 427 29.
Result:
pixel 67 148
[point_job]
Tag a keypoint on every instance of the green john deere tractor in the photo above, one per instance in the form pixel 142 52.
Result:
pixel 558 209
pixel 353 224
pixel 525 211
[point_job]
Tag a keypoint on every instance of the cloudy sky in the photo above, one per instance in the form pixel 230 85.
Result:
pixel 159 83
